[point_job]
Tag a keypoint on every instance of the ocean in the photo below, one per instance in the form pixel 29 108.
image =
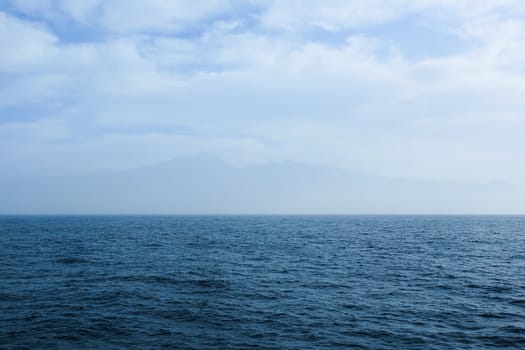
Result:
pixel 262 282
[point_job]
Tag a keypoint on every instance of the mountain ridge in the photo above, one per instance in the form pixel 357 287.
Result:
pixel 208 185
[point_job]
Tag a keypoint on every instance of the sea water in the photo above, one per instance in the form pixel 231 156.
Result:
pixel 267 282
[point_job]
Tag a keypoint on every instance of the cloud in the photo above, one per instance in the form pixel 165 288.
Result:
pixel 26 44
pixel 45 130
pixel 125 83
pixel 127 16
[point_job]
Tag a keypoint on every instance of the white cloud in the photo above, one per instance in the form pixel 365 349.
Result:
pixel 126 16
pixel 331 15
pixel 41 130
pixel 255 86
pixel 24 44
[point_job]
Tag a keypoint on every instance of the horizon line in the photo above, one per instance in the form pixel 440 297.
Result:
pixel 262 214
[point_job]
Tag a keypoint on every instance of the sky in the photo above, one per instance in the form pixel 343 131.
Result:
pixel 419 89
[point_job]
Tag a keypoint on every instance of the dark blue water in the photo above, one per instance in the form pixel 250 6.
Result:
pixel 310 282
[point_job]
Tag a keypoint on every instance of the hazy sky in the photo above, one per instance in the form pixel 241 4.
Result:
pixel 422 89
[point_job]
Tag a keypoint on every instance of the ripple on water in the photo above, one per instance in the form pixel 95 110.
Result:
pixel 318 282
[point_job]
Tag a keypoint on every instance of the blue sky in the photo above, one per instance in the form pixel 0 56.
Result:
pixel 420 89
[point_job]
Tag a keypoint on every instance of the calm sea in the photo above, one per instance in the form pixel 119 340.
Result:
pixel 267 282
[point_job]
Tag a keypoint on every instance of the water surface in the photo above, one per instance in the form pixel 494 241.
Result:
pixel 269 282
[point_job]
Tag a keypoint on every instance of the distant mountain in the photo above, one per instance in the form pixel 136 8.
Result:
pixel 207 185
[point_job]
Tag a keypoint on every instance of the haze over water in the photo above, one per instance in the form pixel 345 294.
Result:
pixel 268 282
pixel 422 91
